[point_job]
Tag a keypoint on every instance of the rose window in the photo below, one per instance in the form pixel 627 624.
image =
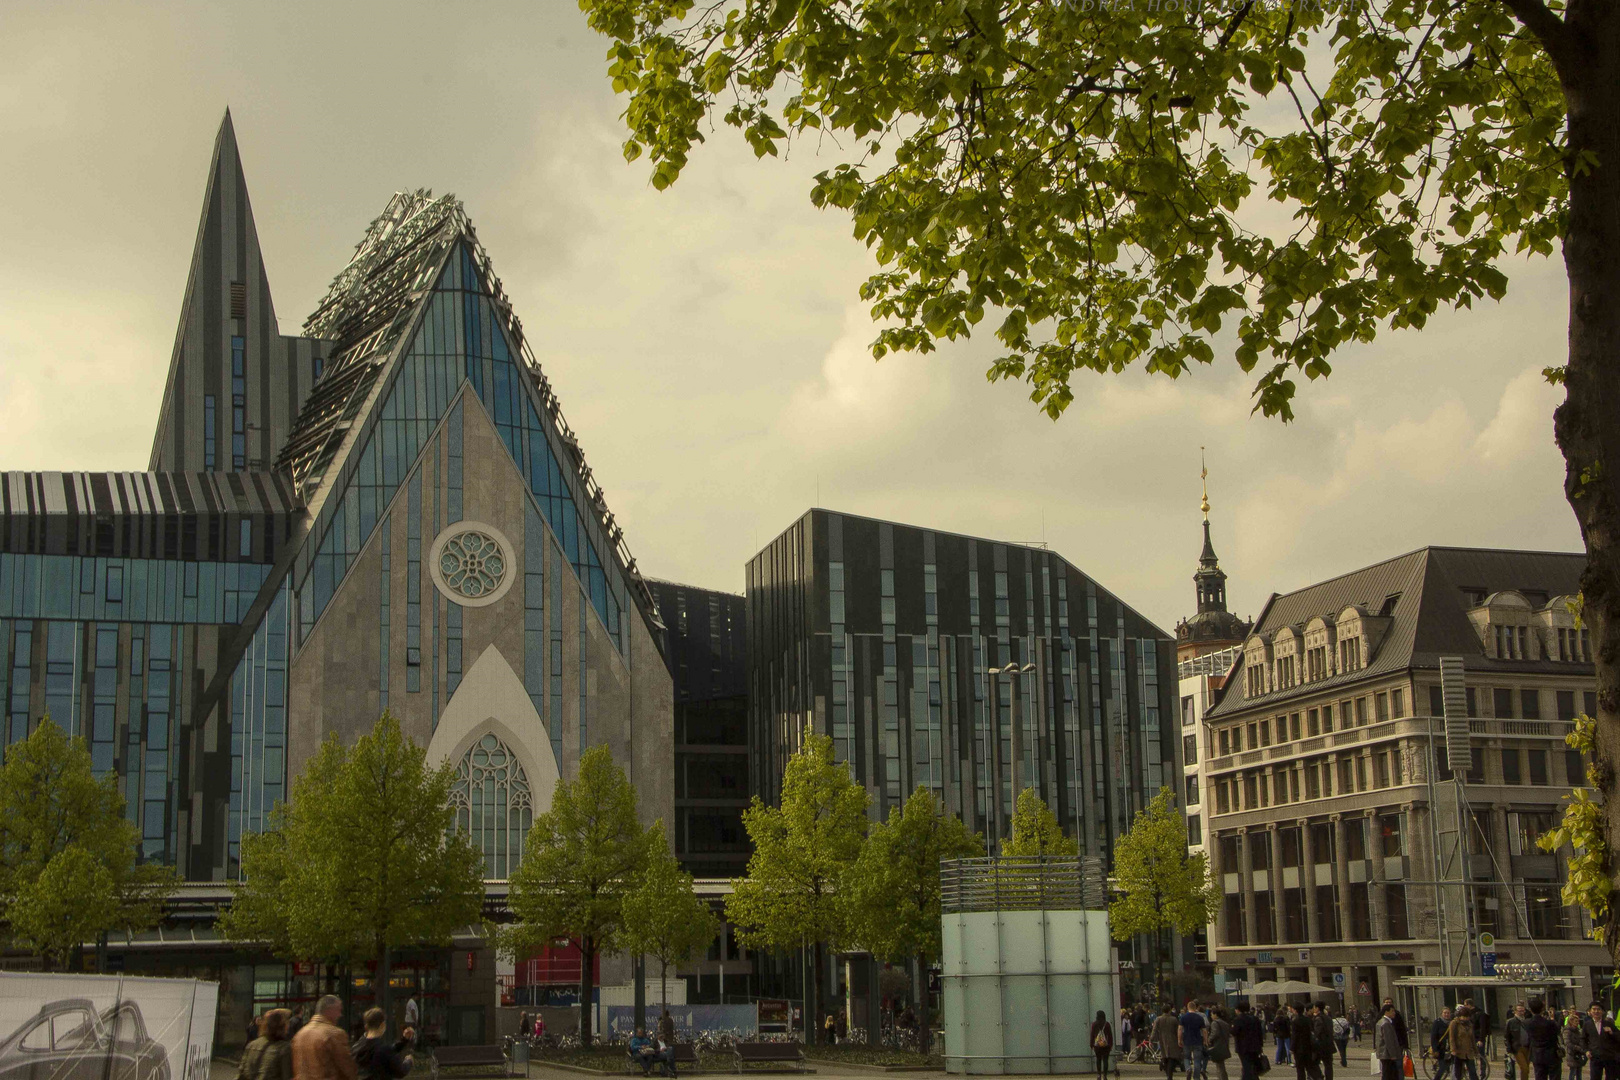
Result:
pixel 472 563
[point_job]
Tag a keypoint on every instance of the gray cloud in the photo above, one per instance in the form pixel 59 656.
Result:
pixel 706 341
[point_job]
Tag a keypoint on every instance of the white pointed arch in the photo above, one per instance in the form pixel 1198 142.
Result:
pixel 491 701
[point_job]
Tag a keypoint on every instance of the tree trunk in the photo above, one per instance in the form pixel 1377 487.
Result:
pixel 812 1018
pixel 924 1024
pixel 587 961
pixel 1587 424
pixel 385 989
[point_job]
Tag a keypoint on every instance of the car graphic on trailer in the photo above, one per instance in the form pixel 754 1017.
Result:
pixel 70 1040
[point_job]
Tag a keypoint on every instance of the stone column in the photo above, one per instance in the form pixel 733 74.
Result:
pixel 1375 890
pixel 1275 880
pixel 1251 923
pixel 1307 880
pixel 1508 897
pixel 1341 876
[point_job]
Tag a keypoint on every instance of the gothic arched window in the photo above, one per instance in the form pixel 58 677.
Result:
pixel 493 805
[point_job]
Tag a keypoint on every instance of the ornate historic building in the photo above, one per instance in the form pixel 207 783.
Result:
pixel 1343 854
pixel 385 512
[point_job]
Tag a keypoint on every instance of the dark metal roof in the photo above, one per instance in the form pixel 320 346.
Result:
pixel 114 494
pixel 1428 609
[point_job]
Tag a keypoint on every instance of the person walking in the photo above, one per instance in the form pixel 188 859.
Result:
pixel 1602 1043
pixel 1125 1030
pixel 1437 1040
pixel 1541 1039
pixel 269 1055
pixel 1102 1041
pixel 1191 1034
pixel 1249 1040
pixel 1322 1037
pixel 1387 1046
pixel 375 1058
pixel 1282 1028
pixel 1462 1043
pixel 831 1029
pixel 1167 1036
pixel 1302 1046
pixel 295 1023
pixel 1574 1045
pixel 1518 1041
pixel 320 1051
pixel 1218 1042
pixel 1341 1039
pixel 1400 1027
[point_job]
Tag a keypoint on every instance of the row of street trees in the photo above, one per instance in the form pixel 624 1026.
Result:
pixel 819 878
pixel 365 859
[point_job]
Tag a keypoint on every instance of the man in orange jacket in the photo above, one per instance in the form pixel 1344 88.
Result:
pixel 320 1050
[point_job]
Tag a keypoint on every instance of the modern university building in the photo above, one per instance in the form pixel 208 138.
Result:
pixel 387 512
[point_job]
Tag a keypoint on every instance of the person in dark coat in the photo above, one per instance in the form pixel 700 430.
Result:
pixel 1167 1037
pixel 1282 1028
pixel 375 1056
pixel 1541 1036
pixel 1400 1027
pixel 1322 1037
pixel 1602 1043
pixel 1302 1046
pixel 1102 1041
pixel 1248 1040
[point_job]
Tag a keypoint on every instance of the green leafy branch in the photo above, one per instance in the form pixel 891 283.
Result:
pixel 1582 828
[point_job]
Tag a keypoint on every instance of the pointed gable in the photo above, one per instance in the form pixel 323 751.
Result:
pixel 415 313
pixel 235 384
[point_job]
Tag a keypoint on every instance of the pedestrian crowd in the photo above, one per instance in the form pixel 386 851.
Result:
pixel 285 1047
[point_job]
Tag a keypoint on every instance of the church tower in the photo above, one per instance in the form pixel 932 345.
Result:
pixel 1213 627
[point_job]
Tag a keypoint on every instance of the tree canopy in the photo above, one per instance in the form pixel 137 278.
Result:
pixel 581 860
pixel 1161 886
pixel 363 859
pixel 1127 184
pixel 68 869
pixel 1036 832
pixel 663 917
pixel 803 853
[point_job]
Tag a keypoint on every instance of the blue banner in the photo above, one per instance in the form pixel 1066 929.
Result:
pixel 739 1021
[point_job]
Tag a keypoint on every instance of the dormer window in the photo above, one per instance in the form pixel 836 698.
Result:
pixel 1350 654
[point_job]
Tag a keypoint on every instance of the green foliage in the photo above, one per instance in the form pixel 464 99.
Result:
pixel 68 871
pixel 1584 829
pixel 364 857
pixel 1035 830
pixel 1161 886
pixel 803 852
pixel 582 858
pixel 893 905
pixel 663 917
pixel 1121 182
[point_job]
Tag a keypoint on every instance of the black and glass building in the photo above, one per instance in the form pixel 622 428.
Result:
pixel 971 667
pixel 706 648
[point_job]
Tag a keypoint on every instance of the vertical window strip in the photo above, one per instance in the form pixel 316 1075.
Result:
pixel 534 621
pixel 104 699
pixel 413 586
pixel 154 764
pixel 22 640
pixel 210 432
pixel 238 404
pixel 130 774
pixel 584 654
pixel 434 599
pixel 385 612
pixel 554 714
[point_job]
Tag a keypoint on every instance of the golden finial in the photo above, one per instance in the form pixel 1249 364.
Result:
pixel 1203 476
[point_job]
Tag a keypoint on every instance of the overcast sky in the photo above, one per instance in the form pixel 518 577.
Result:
pixel 707 343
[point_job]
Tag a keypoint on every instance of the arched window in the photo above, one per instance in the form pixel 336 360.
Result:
pixel 493 805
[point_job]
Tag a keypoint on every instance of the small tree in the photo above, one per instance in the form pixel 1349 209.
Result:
pixel 893 896
pixel 663 917
pixel 803 852
pixel 583 857
pixel 1036 832
pixel 68 871
pixel 362 861
pixel 1161 886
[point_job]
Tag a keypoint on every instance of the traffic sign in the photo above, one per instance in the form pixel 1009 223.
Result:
pixel 1365 990
pixel 1338 980
pixel 1487 963
pixel 1487 943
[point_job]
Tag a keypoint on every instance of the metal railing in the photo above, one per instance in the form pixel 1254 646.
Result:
pixel 1022 883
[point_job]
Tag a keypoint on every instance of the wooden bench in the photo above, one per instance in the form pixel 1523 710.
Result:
pixel 769 1053
pixel 685 1054
pixel 475 1057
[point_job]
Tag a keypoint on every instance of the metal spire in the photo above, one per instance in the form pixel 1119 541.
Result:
pixel 1203 476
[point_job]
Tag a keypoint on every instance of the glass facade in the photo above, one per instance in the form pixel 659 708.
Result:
pixel 493 805
pixel 459 337
pixel 954 664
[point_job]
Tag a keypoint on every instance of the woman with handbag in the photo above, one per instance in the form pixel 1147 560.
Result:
pixel 1102 1041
